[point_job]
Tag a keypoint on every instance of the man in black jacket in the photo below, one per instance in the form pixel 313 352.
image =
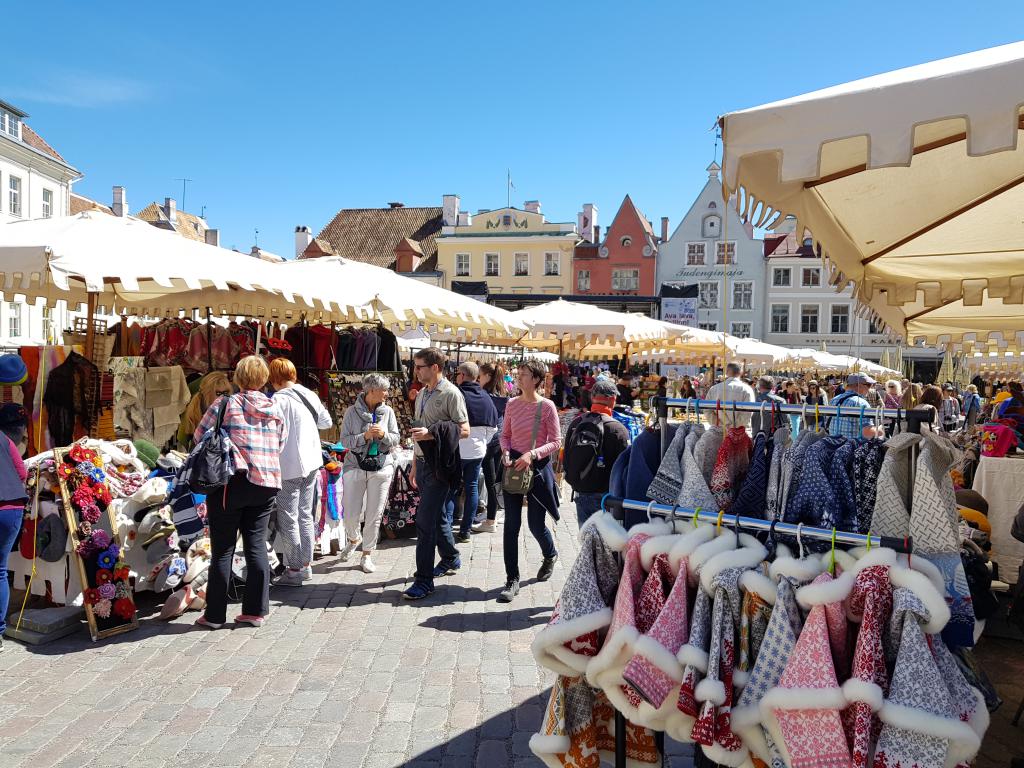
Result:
pixel 592 444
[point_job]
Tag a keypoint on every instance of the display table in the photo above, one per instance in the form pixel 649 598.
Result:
pixel 1001 482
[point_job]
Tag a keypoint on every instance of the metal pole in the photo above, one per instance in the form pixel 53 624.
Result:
pixel 209 340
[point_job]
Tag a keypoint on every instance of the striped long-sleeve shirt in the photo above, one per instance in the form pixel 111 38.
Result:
pixel 517 428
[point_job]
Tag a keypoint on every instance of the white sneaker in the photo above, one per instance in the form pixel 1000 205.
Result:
pixel 307 573
pixel 366 564
pixel 347 550
pixel 487 526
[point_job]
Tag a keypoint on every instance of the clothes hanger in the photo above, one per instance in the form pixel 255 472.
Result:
pixel 816 404
pixel 832 555
pixel 799 539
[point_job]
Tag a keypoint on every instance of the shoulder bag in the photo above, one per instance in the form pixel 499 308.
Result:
pixel 519 481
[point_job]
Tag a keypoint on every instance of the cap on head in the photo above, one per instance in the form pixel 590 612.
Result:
pixel 856 379
pixel 604 388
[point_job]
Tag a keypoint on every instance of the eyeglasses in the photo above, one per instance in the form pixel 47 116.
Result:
pixel 418 366
pixel 223 393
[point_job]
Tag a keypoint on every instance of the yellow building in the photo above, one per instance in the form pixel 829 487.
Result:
pixel 513 251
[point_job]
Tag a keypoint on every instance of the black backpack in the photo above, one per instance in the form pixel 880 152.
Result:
pixel 210 465
pixel 583 460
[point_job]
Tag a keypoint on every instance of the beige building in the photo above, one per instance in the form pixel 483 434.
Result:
pixel 513 251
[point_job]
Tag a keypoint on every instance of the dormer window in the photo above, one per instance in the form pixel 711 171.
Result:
pixel 626 241
pixel 10 123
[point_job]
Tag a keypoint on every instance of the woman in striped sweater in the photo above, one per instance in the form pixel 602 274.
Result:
pixel 520 450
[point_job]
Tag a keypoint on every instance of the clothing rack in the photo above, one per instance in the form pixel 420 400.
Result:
pixel 661 406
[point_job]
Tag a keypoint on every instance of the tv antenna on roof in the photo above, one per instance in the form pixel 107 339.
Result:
pixel 183 183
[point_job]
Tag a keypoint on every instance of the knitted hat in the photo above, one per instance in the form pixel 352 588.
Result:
pixel 51 538
pixel 148 453
pixel 12 416
pixel 12 370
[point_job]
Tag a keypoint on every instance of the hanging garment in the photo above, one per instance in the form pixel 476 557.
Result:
pixel 811 496
pixel 755 612
pixel 840 476
pixel 891 515
pixel 731 464
pixel 644 458
pixel 787 573
pixel 214 345
pixel 71 398
pixel 696 471
pixel 792 466
pixel 668 480
pixel 781 441
pixel 750 501
pixel 167 396
pixel 867 463
pixel 654 671
pixel 802 711
pixel 721 577
pixel 921 722
pixel 637 603
pixel 693 655
pixel 934 528
pixel 578 730
pixel 583 611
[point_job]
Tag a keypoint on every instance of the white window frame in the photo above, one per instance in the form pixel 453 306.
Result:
pixel 722 251
pixel 778 272
pixel 739 333
pixel 749 285
pixel 583 280
pixel 633 278
pixel 497 265
pixel 771 317
pixel 875 330
pixel 14 195
pixel 805 271
pixel 14 320
pixel 832 317
pixel 817 318
pixel 692 258
pixel 708 326
pixel 47 203
pixel 463 265
pixel 701 303
pixel 552 257
pixel 515 264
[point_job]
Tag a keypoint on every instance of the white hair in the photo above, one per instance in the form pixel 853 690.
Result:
pixel 376 381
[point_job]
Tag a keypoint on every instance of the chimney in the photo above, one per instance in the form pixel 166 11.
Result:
pixel 664 229
pixel 587 220
pixel 120 204
pixel 212 237
pixel 597 235
pixel 303 237
pixel 449 210
pixel 532 206
pixel 255 252
pixel 171 210
pixel 465 218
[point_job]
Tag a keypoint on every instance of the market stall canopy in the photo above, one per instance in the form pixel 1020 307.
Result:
pixel 760 353
pixel 585 324
pixel 132 266
pixel 912 182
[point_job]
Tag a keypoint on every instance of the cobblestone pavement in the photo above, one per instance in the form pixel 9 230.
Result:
pixel 344 673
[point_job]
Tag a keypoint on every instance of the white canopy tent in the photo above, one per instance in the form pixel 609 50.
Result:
pixel 574 326
pixel 912 183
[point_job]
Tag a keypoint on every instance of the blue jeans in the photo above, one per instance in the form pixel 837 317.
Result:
pixel 433 524
pixel 471 486
pixel 586 505
pixel 10 524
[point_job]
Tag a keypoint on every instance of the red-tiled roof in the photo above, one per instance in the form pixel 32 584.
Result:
pixel 36 141
pixel 371 235
pixel 188 224
pixel 78 204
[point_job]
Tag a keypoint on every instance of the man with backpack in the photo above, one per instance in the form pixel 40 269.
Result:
pixel 592 444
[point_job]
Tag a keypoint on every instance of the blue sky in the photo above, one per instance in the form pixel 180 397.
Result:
pixel 284 113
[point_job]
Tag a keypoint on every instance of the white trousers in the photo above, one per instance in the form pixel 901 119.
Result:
pixel 295 523
pixel 365 494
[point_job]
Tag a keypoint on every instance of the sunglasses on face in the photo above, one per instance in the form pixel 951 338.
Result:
pixel 418 366
pixel 225 392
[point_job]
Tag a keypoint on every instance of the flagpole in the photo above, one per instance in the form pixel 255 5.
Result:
pixel 508 188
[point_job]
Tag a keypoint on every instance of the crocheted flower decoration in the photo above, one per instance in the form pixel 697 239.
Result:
pixel 77 453
pixel 101 539
pixel 122 573
pixel 90 514
pixel 107 591
pixel 106 560
pixel 102 493
pixel 97 461
pixel 104 576
pixel 85 530
pixel 123 589
pixel 124 608
pixel 102 609
pixel 85 548
pixel 91 596
pixel 83 496
pixel 66 471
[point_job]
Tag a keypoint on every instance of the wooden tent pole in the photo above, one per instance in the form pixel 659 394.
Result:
pixel 90 331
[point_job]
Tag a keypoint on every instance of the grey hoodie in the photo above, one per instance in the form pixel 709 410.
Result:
pixel 357 420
